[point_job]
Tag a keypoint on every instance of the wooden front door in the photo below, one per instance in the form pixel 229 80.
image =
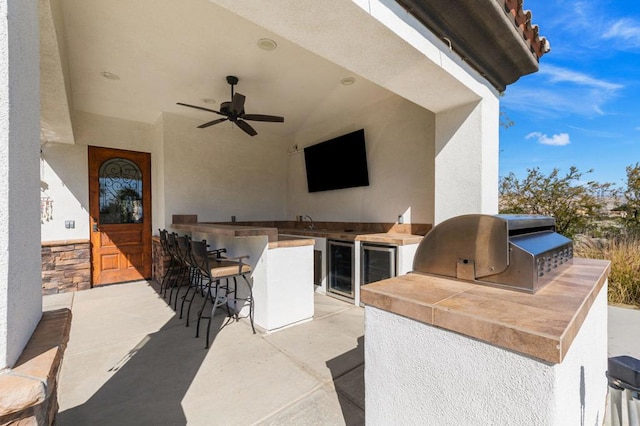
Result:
pixel 120 209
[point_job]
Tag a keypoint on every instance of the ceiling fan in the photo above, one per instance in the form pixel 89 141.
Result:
pixel 234 111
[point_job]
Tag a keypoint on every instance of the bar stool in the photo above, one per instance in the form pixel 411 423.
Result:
pixel 214 269
pixel 189 270
pixel 170 247
pixel 197 279
pixel 165 250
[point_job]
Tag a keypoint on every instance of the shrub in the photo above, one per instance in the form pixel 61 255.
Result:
pixel 573 202
pixel 624 254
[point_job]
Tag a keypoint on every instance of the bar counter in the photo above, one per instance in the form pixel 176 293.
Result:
pixel 282 271
pixel 228 230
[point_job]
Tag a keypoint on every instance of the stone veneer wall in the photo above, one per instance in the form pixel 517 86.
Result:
pixel 160 260
pixel 66 266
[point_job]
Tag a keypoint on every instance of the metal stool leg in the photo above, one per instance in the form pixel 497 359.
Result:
pixel 251 313
pixel 248 299
pixel 213 312
pixel 204 304
pixel 197 287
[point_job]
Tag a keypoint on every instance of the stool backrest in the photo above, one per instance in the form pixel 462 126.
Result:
pixel 200 257
pixel 163 240
pixel 172 245
pixel 184 250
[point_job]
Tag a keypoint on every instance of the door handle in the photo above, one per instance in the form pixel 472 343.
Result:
pixel 95 227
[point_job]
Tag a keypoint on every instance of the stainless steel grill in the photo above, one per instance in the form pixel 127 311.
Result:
pixel 520 252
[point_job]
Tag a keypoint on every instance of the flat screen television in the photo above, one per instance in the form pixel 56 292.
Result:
pixel 337 163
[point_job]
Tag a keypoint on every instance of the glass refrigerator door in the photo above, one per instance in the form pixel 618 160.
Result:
pixel 341 268
pixel 378 263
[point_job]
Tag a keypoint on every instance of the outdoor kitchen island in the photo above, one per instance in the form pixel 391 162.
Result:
pixel 282 271
pixel 446 351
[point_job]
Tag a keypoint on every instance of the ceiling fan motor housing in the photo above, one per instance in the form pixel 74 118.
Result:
pixel 225 108
pixel 233 110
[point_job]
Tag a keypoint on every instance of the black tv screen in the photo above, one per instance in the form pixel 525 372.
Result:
pixel 337 163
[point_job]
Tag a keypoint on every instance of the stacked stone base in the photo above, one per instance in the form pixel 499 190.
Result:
pixel 160 260
pixel 66 266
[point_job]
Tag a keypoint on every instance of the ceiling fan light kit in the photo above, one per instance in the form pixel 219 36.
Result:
pixel 233 111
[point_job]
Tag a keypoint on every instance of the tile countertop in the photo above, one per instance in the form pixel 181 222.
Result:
pixel 228 229
pixel 277 241
pixel 371 237
pixel 542 325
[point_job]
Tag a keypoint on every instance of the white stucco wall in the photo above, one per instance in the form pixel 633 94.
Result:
pixel 388 46
pixel 289 297
pixel 466 160
pixel 221 172
pixel 157 177
pixel 423 375
pixel 217 173
pixel 64 180
pixel 400 149
pixel 64 169
pixel 20 283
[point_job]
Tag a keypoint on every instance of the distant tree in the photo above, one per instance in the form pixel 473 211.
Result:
pixel 573 203
pixel 632 197
pixel 504 120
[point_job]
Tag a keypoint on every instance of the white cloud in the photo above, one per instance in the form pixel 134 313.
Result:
pixel 564 75
pixel 563 91
pixel 625 30
pixel 553 102
pixel 560 139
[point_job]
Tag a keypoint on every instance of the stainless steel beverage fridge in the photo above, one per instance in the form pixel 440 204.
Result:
pixel 341 268
pixel 378 262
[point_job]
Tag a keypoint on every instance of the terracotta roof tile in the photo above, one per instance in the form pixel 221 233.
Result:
pixel 522 20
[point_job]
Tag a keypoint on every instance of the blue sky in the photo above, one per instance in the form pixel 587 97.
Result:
pixel 582 108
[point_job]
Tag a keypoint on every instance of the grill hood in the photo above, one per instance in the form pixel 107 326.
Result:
pixel 520 252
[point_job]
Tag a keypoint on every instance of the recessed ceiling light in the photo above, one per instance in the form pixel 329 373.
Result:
pixel 267 44
pixel 348 81
pixel 110 75
pixel 208 100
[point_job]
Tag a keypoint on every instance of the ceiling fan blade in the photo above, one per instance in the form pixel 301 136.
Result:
pixel 262 117
pixel 246 127
pixel 237 103
pixel 211 123
pixel 202 108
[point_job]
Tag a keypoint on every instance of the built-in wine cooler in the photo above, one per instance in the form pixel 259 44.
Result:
pixel 341 268
pixel 378 262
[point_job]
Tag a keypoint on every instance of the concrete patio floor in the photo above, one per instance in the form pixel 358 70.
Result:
pixel 130 360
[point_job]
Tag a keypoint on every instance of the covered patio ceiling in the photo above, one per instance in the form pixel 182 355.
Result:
pixel 163 52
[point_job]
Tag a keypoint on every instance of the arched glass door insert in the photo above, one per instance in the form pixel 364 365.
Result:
pixel 120 192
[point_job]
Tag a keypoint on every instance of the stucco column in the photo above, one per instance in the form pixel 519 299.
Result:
pixel 20 282
pixel 466 160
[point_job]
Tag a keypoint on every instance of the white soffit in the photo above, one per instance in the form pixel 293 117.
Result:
pixel 402 60
pixel 55 119
pixel 165 51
